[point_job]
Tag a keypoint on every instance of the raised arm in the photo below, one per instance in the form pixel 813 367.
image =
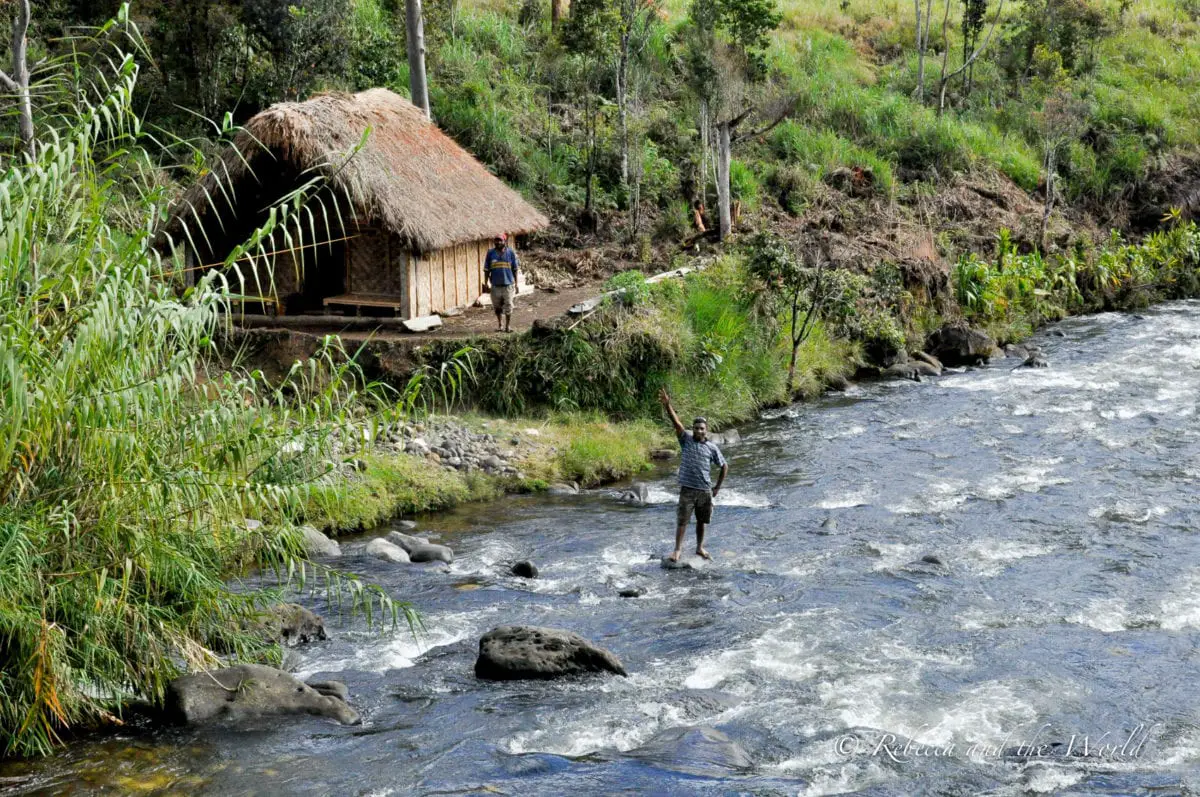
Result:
pixel 666 402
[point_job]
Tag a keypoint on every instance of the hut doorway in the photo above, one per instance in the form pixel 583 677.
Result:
pixel 327 277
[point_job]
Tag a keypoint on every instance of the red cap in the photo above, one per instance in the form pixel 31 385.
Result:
pixel 502 237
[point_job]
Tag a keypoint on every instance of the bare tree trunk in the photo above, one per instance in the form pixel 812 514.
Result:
pixel 623 106
pixel 18 83
pixel 922 41
pixel 1051 169
pixel 945 60
pixel 704 149
pixel 415 25
pixel 724 156
pixel 555 13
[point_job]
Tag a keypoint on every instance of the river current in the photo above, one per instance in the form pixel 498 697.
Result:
pixel 986 583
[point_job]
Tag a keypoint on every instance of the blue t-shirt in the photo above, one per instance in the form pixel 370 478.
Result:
pixel 697 461
pixel 501 267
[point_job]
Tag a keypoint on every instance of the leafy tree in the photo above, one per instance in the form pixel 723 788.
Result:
pixel 973 18
pixel 306 41
pixel 807 288
pixel 725 60
pixel 1069 28
pixel 976 25
pixel 1061 120
pixel 590 35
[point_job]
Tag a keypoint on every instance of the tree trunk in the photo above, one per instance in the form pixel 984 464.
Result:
pixel 18 83
pixel 724 156
pixel 791 380
pixel 942 78
pixel 623 107
pixel 555 13
pixel 921 39
pixel 415 26
pixel 1051 168
pixel 704 150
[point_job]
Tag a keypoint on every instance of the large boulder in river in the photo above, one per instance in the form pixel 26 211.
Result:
pixel 387 551
pixel 958 344
pixel 248 692
pixel 421 550
pixel 514 652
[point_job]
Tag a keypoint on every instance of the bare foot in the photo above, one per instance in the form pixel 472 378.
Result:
pixel 673 557
pixel 703 554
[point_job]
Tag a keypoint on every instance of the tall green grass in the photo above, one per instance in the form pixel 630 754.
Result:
pixel 128 460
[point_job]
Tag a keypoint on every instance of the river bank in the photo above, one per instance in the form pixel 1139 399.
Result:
pixel 721 347
pixel 1060 505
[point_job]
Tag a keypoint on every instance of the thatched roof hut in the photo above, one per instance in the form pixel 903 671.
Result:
pixel 416 211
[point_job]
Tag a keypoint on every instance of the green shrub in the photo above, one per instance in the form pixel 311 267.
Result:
pixel 743 185
pixel 632 286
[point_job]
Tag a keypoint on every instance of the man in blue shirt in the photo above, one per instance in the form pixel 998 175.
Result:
pixel 500 270
pixel 698 456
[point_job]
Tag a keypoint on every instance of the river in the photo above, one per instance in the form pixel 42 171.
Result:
pixel 1061 503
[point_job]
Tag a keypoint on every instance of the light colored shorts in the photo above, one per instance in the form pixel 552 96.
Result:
pixel 502 298
pixel 693 500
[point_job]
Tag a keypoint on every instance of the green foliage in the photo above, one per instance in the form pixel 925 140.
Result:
pixel 632 287
pixel 601 452
pixel 130 460
pixel 743 185
pixel 1022 291
pixel 385 488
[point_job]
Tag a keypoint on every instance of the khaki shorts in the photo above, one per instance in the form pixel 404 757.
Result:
pixel 693 500
pixel 502 298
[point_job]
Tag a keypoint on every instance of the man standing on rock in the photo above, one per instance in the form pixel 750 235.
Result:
pixel 696 491
pixel 500 270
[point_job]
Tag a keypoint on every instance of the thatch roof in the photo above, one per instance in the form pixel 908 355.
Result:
pixel 408 176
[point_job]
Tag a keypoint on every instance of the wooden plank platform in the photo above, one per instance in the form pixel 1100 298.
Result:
pixel 361 300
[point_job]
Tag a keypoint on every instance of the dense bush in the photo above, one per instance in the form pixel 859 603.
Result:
pixel 130 459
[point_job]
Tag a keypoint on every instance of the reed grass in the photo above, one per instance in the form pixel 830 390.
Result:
pixel 130 460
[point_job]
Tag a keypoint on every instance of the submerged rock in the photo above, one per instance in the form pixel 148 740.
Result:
pixel 676 564
pixel 637 494
pixel 525 569
pixel 387 551
pixel 698 749
pixel 248 692
pixel 515 652
pixel 317 544
pixel 559 488
pixel 405 525
pixel 912 369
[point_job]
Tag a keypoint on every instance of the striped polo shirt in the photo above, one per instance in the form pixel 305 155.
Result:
pixel 696 462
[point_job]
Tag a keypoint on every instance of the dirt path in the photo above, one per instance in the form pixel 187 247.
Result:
pixel 481 321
